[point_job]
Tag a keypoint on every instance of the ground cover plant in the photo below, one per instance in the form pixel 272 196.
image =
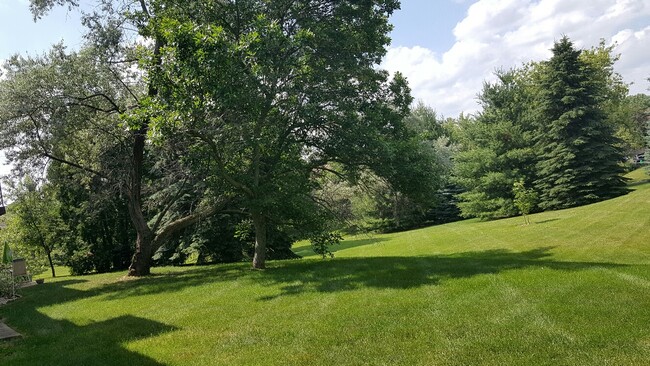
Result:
pixel 571 288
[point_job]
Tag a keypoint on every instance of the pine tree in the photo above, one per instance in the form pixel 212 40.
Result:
pixel 579 158
pixel 496 148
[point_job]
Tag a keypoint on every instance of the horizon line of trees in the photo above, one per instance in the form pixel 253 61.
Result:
pixel 245 126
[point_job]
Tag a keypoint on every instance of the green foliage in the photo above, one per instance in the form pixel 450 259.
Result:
pixel 100 229
pixel 6 281
pixel 569 290
pixel 223 239
pixel 406 192
pixel 81 262
pixel 40 231
pixel 525 199
pixel 11 234
pixel 322 242
pixel 263 90
pixel 496 148
pixel 579 156
pixel 625 113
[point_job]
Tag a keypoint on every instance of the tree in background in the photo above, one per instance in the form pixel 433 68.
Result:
pixel 496 148
pixel 627 114
pixel 579 156
pixel 632 117
pixel 101 234
pixel 10 234
pixel 38 222
pixel 376 202
pixel 432 137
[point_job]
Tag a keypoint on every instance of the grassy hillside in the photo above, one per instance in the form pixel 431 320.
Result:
pixel 573 288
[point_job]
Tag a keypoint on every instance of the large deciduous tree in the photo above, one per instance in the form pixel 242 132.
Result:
pixel 84 109
pixel 276 90
pixel 270 92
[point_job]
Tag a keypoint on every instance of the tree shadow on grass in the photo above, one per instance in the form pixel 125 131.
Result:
pixel 545 221
pixel 338 274
pixel 305 248
pixel 172 282
pixel 346 274
pixel 65 343
pixel 347 244
pixel 48 341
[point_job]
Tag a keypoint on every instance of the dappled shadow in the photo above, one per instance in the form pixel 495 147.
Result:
pixel 306 250
pixel 345 274
pixel 347 244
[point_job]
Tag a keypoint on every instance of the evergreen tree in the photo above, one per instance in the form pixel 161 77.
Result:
pixel 496 148
pixel 579 161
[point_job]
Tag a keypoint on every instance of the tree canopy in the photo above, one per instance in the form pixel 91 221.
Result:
pixel 231 103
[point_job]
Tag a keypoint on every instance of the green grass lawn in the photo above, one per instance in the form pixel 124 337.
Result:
pixel 573 288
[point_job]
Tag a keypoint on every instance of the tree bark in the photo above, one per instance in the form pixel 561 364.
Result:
pixel 179 224
pixel 141 261
pixel 259 222
pixel 49 258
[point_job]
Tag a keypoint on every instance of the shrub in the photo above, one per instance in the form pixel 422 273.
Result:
pixel 6 282
pixel 322 242
pixel 81 262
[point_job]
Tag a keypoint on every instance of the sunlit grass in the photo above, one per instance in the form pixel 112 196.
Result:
pixel 572 288
pixel 640 175
pixel 60 271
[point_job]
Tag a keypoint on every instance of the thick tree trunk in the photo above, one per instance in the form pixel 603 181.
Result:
pixel 141 261
pixel 259 222
pixel 49 258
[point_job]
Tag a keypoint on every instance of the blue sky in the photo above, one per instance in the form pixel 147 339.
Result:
pixel 427 23
pixel 446 48
pixel 20 34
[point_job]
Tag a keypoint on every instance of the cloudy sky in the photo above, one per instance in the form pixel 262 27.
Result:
pixel 446 48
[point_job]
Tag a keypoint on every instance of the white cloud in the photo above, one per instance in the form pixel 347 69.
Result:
pixel 505 33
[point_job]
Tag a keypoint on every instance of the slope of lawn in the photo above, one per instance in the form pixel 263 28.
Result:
pixel 573 288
